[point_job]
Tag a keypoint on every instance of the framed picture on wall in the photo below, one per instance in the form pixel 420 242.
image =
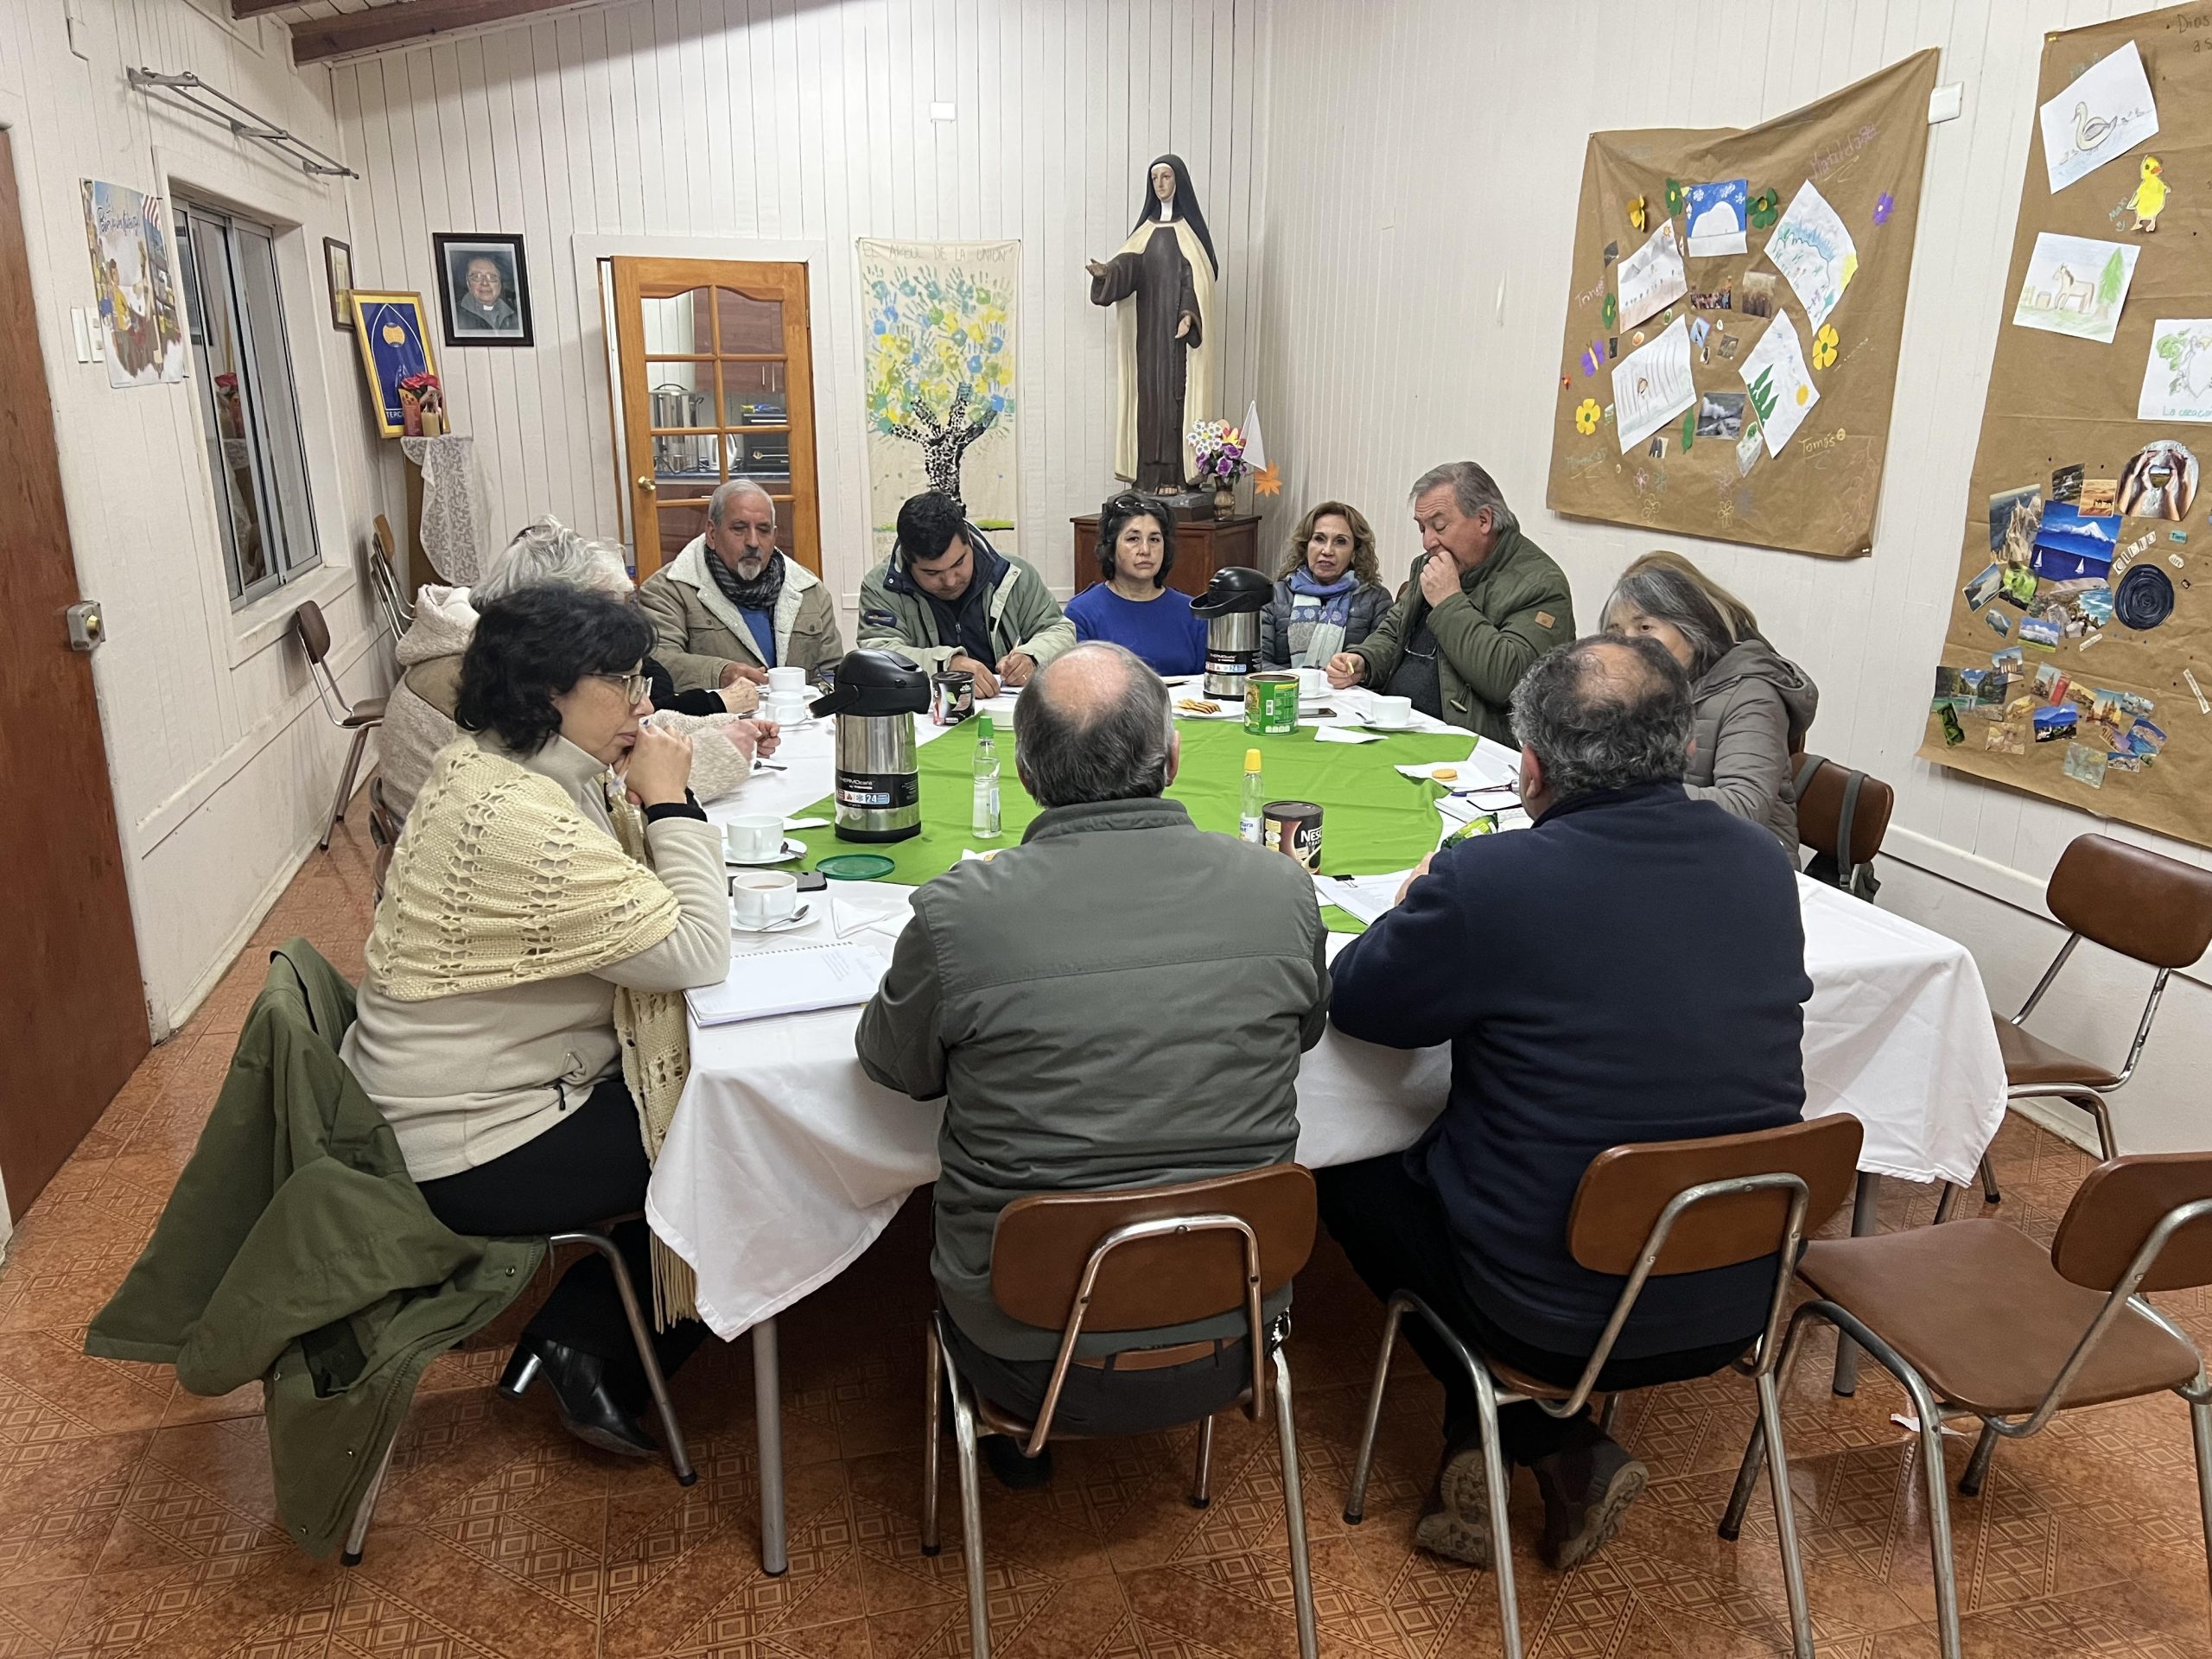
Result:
pixel 396 356
pixel 483 289
pixel 338 266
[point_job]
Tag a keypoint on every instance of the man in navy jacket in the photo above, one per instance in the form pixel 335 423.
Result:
pixel 1631 969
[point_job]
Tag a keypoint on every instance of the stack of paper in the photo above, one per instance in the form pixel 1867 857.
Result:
pixel 1363 896
pixel 796 980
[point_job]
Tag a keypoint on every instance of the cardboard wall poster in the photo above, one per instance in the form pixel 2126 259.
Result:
pixel 1779 441
pixel 2078 653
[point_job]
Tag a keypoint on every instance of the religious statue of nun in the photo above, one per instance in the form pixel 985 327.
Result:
pixel 1167 268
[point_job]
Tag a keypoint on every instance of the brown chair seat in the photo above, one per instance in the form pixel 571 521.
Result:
pixel 368 712
pixel 1977 1308
pixel 2028 1058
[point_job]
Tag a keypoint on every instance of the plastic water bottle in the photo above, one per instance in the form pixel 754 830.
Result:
pixel 1248 827
pixel 984 822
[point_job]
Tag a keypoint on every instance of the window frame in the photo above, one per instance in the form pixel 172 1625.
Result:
pixel 295 551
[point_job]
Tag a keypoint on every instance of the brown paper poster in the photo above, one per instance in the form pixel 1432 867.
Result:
pixel 1732 339
pixel 2075 664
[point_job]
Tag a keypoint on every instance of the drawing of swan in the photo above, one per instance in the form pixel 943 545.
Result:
pixel 2090 130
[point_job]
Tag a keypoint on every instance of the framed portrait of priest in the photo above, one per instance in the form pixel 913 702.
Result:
pixel 483 289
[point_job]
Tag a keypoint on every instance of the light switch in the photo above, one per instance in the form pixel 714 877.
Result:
pixel 941 112
pixel 1945 102
pixel 83 331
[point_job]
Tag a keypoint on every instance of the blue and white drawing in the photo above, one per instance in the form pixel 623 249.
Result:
pixel 1715 217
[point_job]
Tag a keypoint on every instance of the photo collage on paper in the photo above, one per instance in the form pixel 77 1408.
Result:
pixel 2099 548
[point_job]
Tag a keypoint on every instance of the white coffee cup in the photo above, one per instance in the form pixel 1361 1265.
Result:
pixel 786 682
pixel 1389 711
pixel 761 898
pixel 756 839
pixel 784 711
pixel 1312 682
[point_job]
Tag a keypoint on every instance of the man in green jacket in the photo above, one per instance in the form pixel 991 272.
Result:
pixel 947 598
pixel 1483 602
pixel 1120 1001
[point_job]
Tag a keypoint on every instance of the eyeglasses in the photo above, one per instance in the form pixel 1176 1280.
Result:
pixel 634 686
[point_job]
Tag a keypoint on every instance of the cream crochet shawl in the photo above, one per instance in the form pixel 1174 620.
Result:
pixel 500 881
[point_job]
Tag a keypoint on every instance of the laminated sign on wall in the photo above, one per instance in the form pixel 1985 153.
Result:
pixel 1732 341
pixel 2075 663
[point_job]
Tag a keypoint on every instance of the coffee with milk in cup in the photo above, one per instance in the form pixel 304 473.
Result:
pixel 762 897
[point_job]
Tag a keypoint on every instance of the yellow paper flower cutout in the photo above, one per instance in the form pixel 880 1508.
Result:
pixel 1824 345
pixel 1585 416
pixel 1638 215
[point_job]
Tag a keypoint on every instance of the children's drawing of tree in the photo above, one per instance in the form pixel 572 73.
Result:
pixel 2109 284
pixel 940 366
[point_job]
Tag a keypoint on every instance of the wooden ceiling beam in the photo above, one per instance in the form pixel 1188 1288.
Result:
pixel 242 9
pixel 410 20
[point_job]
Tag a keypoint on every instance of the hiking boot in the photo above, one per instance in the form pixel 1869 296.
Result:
pixel 1455 1521
pixel 1586 1490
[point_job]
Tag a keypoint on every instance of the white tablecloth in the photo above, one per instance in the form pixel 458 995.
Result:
pixel 784 1162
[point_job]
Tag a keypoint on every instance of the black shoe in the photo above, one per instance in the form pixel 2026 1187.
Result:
pixel 1455 1521
pixel 587 1405
pixel 1015 1472
pixel 1587 1489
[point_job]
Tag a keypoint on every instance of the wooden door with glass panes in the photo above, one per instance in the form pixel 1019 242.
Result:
pixel 717 383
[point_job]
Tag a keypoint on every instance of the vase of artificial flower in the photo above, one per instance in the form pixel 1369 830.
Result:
pixel 1218 450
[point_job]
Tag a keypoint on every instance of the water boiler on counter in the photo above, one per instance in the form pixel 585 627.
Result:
pixel 875 698
pixel 1231 605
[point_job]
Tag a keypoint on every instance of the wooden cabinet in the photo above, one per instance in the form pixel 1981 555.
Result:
pixel 1202 547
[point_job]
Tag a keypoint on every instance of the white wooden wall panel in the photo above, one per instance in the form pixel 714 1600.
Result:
pixel 1424 160
pixel 220 761
pixel 785 121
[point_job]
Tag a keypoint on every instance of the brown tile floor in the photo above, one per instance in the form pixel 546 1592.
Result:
pixel 134 1518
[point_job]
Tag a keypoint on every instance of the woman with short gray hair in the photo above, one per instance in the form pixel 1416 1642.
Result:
pixel 1753 706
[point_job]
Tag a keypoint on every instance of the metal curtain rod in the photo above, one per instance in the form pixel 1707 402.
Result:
pixel 182 89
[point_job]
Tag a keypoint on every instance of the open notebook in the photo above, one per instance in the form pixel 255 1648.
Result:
pixel 798 981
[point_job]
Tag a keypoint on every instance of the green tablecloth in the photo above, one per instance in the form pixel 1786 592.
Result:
pixel 1373 820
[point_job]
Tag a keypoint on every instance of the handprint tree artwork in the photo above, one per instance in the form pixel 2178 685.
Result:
pixel 940 373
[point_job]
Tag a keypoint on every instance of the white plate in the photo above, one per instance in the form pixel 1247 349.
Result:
pixel 791 850
pixel 794 919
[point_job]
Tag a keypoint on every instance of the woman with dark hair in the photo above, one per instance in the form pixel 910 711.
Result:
pixel 521 1025
pixel 1331 594
pixel 1134 606
pixel 1753 706
pixel 1167 268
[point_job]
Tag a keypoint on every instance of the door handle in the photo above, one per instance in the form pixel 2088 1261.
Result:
pixel 85 625
pixel 645 482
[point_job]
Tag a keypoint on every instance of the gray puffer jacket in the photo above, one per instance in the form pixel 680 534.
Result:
pixel 1752 712
pixel 1370 603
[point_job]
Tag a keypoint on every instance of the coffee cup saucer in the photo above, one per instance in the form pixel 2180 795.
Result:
pixel 791 850
pixel 781 925
pixel 1375 724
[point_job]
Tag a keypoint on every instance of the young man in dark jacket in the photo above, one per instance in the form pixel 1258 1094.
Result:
pixel 1631 969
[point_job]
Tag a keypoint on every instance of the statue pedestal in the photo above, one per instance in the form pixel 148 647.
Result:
pixel 1204 544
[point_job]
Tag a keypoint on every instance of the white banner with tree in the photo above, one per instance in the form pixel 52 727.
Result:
pixel 938 328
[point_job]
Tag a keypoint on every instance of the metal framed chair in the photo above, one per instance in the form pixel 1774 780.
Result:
pixel 1657 1208
pixel 1842 815
pixel 384 572
pixel 679 1458
pixel 359 718
pixel 1132 1261
pixel 1977 1320
pixel 2140 904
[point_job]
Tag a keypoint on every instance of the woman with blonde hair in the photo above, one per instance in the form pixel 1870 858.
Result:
pixel 1751 706
pixel 1330 595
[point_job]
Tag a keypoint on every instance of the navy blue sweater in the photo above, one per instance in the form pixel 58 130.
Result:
pixel 1631 969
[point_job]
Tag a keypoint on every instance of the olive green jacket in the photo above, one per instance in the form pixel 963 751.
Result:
pixel 1510 610
pixel 1024 615
pixel 1120 1001
pixel 295 1248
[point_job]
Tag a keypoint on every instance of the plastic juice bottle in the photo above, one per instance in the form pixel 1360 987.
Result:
pixel 983 823
pixel 1248 827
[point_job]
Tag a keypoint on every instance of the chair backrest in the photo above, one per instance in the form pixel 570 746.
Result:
pixel 2141 904
pixel 1625 1189
pixel 387 544
pixel 1819 812
pixel 314 631
pixel 2115 1210
pixel 1045 1240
